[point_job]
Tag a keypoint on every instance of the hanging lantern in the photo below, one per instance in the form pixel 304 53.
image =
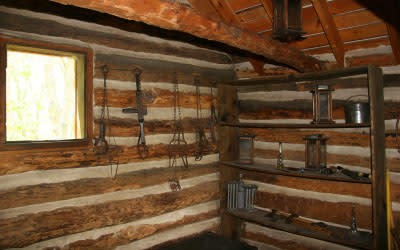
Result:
pixel 322 104
pixel 246 148
pixel 315 151
pixel 287 20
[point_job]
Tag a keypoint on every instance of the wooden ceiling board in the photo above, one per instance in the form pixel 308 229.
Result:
pixel 363 32
pixel 258 25
pixel 352 46
pixel 237 5
pixel 343 21
pixel 252 14
pixel 206 8
pixel 343 6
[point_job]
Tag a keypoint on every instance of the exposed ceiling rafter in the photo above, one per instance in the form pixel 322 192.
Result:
pixel 174 16
pixel 330 29
pixel 229 16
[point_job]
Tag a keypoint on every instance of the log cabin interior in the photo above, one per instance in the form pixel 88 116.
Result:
pixel 160 124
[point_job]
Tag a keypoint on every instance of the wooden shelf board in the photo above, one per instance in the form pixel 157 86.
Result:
pixel 291 125
pixel 270 169
pixel 320 231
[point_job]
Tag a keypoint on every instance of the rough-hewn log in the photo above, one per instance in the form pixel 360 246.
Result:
pixel 152 98
pixel 28 195
pixel 130 127
pixel 157 71
pixel 377 60
pixel 67 30
pixel 336 212
pixel 27 229
pixel 18 162
pixel 125 236
pixel 175 16
pixel 335 137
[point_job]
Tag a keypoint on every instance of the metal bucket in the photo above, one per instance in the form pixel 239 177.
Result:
pixel 356 112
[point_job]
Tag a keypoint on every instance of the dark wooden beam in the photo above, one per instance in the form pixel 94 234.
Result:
pixel 175 16
pixel 394 36
pixel 330 29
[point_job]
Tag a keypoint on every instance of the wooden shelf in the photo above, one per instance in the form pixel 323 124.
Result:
pixel 288 125
pixel 270 169
pixel 298 226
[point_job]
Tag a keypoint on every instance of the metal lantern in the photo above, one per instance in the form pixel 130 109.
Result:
pixel 315 151
pixel 287 20
pixel 322 104
pixel 246 146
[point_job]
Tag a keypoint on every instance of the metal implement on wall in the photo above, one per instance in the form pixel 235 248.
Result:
pixel 213 119
pixel 101 146
pixel 202 145
pixel 177 147
pixel 240 195
pixel 141 110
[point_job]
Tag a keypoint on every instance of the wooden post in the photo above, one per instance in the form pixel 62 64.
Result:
pixel 228 111
pixel 378 167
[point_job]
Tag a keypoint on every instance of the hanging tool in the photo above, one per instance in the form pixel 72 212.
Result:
pixel 213 118
pixel 202 145
pixel 100 143
pixel 177 147
pixel 141 110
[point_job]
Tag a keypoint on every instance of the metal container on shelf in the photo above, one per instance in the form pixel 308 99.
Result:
pixel 356 112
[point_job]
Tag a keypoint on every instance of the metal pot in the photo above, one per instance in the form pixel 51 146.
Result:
pixel 356 112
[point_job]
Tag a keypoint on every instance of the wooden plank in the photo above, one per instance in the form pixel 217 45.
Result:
pixel 258 25
pixel 160 13
pixel 305 228
pixel 224 9
pixel 293 78
pixel 228 143
pixel 378 166
pixel 291 125
pixel 269 169
pixel 238 5
pixel 317 208
pixel 269 9
pixel 27 229
pixel 252 14
pixel 206 8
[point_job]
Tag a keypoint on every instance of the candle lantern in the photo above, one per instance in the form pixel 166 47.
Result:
pixel 287 20
pixel 315 151
pixel 246 146
pixel 322 104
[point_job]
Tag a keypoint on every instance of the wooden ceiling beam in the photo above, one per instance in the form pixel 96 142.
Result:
pixel 330 29
pixel 206 8
pixel 175 16
pixel 268 9
pixel 228 15
pixel 394 37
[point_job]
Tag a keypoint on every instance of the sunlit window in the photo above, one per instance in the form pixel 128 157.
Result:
pixel 45 94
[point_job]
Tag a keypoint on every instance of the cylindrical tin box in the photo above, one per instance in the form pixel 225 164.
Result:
pixel 357 112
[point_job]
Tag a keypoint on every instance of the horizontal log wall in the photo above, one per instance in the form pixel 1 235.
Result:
pixel 67 199
pixel 317 200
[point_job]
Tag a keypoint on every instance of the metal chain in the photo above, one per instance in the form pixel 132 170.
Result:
pixel 397 134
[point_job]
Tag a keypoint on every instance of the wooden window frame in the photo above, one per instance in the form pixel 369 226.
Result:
pixel 88 97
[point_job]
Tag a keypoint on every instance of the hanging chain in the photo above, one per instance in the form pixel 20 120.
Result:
pixel 101 146
pixel 202 145
pixel 397 134
pixel 177 147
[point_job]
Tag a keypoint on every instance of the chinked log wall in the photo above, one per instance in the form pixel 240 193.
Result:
pixel 320 200
pixel 67 199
